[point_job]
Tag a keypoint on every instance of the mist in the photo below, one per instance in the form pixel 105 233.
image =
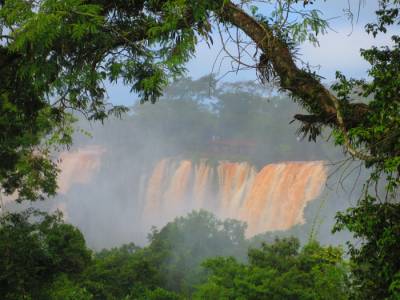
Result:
pixel 109 188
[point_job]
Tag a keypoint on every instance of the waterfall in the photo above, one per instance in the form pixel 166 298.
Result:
pixel 78 166
pixel 271 199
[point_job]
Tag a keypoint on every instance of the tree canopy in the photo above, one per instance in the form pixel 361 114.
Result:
pixel 278 271
pixel 192 257
pixel 35 254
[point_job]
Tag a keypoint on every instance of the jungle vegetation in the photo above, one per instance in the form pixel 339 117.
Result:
pixel 193 257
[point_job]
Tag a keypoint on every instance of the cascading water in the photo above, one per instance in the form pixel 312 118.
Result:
pixel 78 166
pixel 271 199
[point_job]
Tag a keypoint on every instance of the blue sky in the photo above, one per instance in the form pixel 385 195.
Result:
pixel 339 49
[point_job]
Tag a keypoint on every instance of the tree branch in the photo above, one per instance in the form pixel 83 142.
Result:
pixel 347 142
pixel 302 85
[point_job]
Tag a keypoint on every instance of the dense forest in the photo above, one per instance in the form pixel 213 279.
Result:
pixel 57 59
pixel 193 257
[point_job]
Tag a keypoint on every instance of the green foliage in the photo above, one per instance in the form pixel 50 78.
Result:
pixel 278 271
pixel 377 137
pixel 183 244
pixel 25 121
pixel 375 263
pixel 374 221
pixel 119 272
pixel 64 289
pixel 38 251
pixel 157 294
